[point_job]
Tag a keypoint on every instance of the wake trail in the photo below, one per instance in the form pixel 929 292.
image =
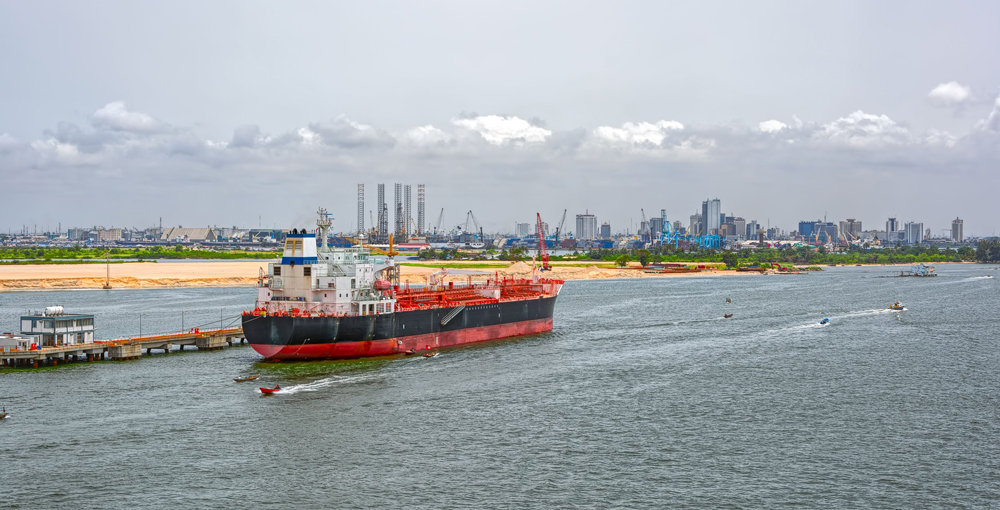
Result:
pixel 323 383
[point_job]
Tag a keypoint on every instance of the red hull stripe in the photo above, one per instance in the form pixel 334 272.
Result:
pixel 385 347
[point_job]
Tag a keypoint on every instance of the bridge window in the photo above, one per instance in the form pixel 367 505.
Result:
pixel 277 271
pixel 306 271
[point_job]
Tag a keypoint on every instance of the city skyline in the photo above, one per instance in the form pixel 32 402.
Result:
pixel 888 117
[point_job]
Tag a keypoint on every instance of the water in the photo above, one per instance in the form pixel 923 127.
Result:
pixel 642 397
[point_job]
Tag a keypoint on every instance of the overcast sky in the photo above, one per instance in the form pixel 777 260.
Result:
pixel 220 113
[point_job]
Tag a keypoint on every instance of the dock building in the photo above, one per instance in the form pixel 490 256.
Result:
pixel 54 327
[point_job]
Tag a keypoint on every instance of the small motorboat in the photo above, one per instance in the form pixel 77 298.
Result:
pixel 824 321
pixel 4 414
pixel 270 391
pixel 729 300
pixel 247 378
pixel 430 354
pixel 896 306
pixel 728 315
pixel 410 352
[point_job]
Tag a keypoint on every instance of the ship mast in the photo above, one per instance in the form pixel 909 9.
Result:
pixel 323 222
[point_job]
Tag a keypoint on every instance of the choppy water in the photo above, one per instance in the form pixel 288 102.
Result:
pixel 642 397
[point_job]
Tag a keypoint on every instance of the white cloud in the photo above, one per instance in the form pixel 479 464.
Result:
pixel 502 130
pixel 772 126
pixel 116 116
pixel 949 94
pixel 308 136
pixel 639 132
pixel 935 137
pixel 344 132
pixel 993 121
pixel 425 135
pixel 864 129
pixel 8 142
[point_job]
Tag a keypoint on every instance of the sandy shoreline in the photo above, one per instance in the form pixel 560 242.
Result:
pixel 244 274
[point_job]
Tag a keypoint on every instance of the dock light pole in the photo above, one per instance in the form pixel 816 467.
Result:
pixel 182 321
pixel 140 325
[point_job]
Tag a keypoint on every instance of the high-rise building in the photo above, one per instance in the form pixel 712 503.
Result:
pixel 606 230
pixel 524 230
pixel 586 226
pixel 677 226
pixel 694 227
pixel 655 227
pixel 807 228
pixel 752 227
pixel 741 227
pixel 914 232
pixel 711 213
pixel 421 218
pixel 851 229
pixel 891 226
pixel 957 230
pixel 826 232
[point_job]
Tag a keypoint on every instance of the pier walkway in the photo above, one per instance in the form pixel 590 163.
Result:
pixel 122 349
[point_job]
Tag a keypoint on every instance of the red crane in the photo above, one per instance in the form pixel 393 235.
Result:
pixel 544 255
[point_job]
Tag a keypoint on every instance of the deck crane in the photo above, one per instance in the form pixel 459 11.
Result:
pixel 560 227
pixel 437 228
pixel 542 253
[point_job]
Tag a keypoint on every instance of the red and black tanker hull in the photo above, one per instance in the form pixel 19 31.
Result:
pixel 303 338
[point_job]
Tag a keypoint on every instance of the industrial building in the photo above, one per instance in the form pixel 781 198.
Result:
pixel 188 235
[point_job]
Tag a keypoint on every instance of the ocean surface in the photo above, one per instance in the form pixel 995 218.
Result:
pixel 643 396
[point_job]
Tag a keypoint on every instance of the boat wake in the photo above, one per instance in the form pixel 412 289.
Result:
pixel 833 319
pixel 322 383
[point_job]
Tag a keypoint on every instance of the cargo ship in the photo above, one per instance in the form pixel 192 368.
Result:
pixel 322 302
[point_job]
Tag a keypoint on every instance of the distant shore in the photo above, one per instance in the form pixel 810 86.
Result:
pixel 30 277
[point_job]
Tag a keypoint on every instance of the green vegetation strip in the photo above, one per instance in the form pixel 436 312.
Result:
pixel 155 252
pixel 74 262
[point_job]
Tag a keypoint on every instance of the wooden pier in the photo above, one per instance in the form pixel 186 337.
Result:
pixel 122 349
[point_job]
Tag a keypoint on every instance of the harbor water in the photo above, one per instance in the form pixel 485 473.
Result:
pixel 642 396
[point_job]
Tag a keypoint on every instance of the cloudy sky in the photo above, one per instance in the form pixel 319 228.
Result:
pixel 234 113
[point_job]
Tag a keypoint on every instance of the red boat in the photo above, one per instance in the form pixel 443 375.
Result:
pixel 270 391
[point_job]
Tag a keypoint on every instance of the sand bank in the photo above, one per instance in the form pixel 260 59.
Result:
pixel 244 274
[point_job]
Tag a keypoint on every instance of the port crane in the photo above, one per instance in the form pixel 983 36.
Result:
pixel 475 223
pixel 437 228
pixel 644 226
pixel 542 253
pixel 560 227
